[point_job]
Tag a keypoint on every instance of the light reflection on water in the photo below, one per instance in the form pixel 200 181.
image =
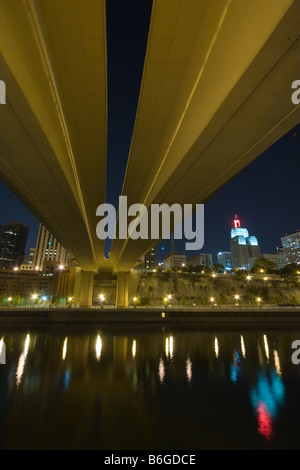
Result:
pixel 110 389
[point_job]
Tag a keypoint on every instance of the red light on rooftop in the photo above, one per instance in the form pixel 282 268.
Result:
pixel 236 222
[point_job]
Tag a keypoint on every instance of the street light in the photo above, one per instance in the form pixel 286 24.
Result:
pixel 101 298
pixel 258 300
pixel 236 298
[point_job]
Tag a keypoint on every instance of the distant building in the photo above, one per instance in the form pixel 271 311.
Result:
pixel 175 260
pixel 48 249
pixel 243 246
pixel 13 238
pixel 201 259
pixel 224 258
pixel 22 283
pixel 279 259
pixel 149 259
pixel 291 247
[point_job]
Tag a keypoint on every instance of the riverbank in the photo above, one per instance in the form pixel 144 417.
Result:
pixel 180 316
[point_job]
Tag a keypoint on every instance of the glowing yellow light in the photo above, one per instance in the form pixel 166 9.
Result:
pixel 277 362
pixel 101 297
pixel 133 349
pixel 134 299
pixel 169 296
pixel 16 269
pixel 212 299
pixel 169 347
pixel 70 299
pixel 216 347
pixel 265 278
pixel 37 268
pixel 64 351
pixel 213 275
pixel 22 361
pixel 266 346
pixel 9 299
pixel 163 314
pixel 34 296
pixel 249 278
pixel 258 299
pixel 243 346
pixel 98 347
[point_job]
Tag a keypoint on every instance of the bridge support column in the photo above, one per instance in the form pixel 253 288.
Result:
pixel 122 290
pixel 84 288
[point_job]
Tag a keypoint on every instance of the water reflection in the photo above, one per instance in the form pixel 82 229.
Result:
pixel 64 351
pixel 22 361
pixel 98 347
pixel 231 395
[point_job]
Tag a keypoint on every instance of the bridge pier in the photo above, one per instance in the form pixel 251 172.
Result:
pixel 122 290
pixel 84 288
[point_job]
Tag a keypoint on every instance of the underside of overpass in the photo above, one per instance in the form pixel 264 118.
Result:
pixel 215 94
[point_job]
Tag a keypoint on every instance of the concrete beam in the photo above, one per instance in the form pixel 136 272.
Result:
pixel 122 290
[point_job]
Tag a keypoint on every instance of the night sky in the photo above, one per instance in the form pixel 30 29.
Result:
pixel 265 195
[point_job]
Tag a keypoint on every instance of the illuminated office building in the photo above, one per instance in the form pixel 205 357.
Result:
pixel 13 238
pixel 48 249
pixel 291 247
pixel 243 246
pixel 201 259
pixel 224 258
pixel 149 260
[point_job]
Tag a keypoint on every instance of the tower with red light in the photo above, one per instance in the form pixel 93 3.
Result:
pixel 236 222
pixel 244 248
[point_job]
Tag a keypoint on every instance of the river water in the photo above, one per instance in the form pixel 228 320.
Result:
pixel 146 387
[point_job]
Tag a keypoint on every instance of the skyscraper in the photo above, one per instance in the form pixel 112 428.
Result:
pixel 224 258
pixel 13 238
pixel 243 246
pixel 291 247
pixel 149 260
pixel 48 249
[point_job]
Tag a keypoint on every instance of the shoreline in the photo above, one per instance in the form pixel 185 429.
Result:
pixel 177 316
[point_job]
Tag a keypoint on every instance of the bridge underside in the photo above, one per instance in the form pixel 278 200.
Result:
pixel 215 93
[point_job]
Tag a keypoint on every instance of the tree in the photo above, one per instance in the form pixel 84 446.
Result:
pixel 289 272
pixel 218 268
pixel 268 266
pixel 17 300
